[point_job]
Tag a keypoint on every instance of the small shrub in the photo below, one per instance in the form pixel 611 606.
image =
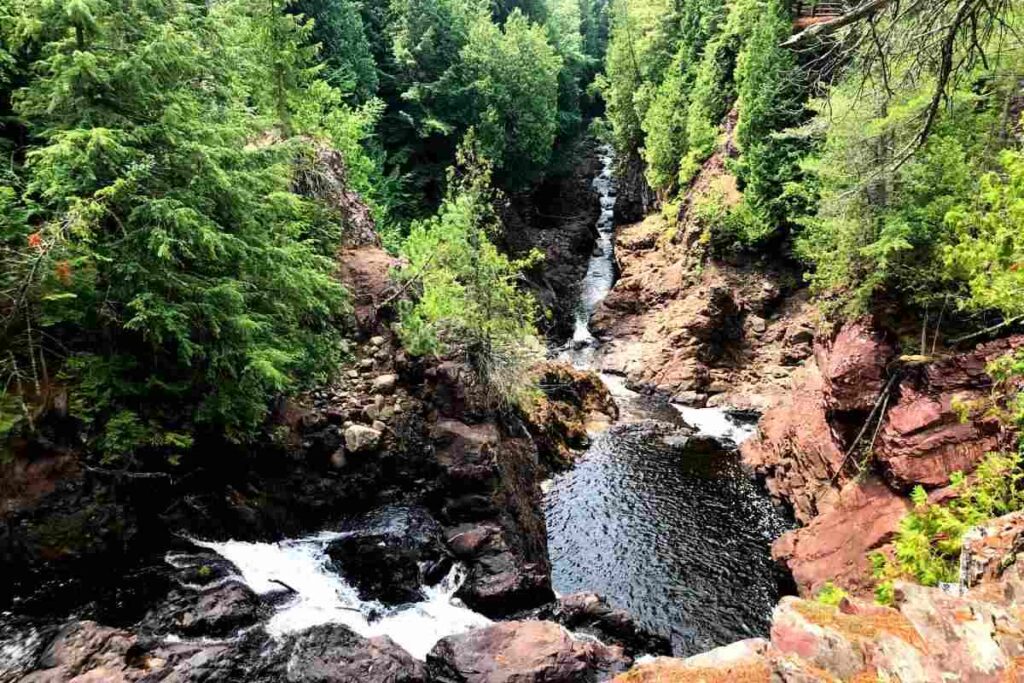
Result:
pixel 831 594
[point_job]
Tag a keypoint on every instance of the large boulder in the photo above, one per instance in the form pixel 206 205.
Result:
pixel 391 553
pixel 746 660
pixel 835 545
pixel 86 652
pixel 855 366
pixel 978 641
pixel 522 652
pixel 332 653
pixel 924 438
pixel 491 495
pixel 858 641
pixel 591 614
pixel 217 611
pixel 498 582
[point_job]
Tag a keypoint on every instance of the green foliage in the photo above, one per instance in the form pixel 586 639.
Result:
pixel 831 594
pixel 875 230
pixel 344 46
pixel 469 303
pixel 987 252
pixel 512 75
pixel 929 538
pixel 729 224
pixel 771 98
pixel 153 248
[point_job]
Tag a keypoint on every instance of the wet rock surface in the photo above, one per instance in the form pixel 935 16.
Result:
pixel 391 553
pixel 523 652
pixel 593 615
pixel 217 611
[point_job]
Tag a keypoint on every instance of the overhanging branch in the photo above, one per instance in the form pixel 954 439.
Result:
pixel 825 28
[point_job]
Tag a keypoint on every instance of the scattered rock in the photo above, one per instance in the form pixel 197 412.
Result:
pixel 338 459
pixel 385 384
pixel 361 439
pixel 522 652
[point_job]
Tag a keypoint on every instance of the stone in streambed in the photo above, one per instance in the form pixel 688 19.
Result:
pixel 523 652
pixel 591 614
pixel 385 384
pixel 361 439
pixel 214 612
pixel 390 553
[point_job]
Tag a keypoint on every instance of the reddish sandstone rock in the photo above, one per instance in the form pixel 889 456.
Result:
pixel 366 272
pixel 854 366
pixel 797 449
pixel 990 566
pixel 835 545
pixel 744 660
pixel 522 652
pixel 923 439
pixel 978 641
pixel 858 641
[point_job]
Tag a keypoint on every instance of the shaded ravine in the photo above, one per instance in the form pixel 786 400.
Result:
pixel 658 515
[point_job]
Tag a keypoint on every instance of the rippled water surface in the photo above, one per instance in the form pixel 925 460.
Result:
pixel 678 538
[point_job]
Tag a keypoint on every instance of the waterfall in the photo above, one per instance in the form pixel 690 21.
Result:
pixel 323 596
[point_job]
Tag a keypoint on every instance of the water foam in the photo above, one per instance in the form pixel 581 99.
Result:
pixel 323 596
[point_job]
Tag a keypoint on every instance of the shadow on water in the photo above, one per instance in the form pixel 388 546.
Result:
pixel 679 536
pixel 665 525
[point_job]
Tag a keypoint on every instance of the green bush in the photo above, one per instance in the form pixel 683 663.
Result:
pixel 468 303
pixel 929 539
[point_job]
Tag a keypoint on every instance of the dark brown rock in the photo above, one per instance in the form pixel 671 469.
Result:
pixel 592 614
pixel 390 553
pixel 218 611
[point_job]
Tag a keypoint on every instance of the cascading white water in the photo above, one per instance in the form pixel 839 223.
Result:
pixel 323 596
pixel 713 422
pixel 601 269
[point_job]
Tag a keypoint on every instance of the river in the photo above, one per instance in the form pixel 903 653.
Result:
pixel 664 523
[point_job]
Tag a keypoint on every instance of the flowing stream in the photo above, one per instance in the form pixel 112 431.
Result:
pixel 323 596
pixel 667 526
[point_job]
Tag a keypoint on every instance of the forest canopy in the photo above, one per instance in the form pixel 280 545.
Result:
pixel 161 252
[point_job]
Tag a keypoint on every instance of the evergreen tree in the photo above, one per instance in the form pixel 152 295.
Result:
pixel 157 256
